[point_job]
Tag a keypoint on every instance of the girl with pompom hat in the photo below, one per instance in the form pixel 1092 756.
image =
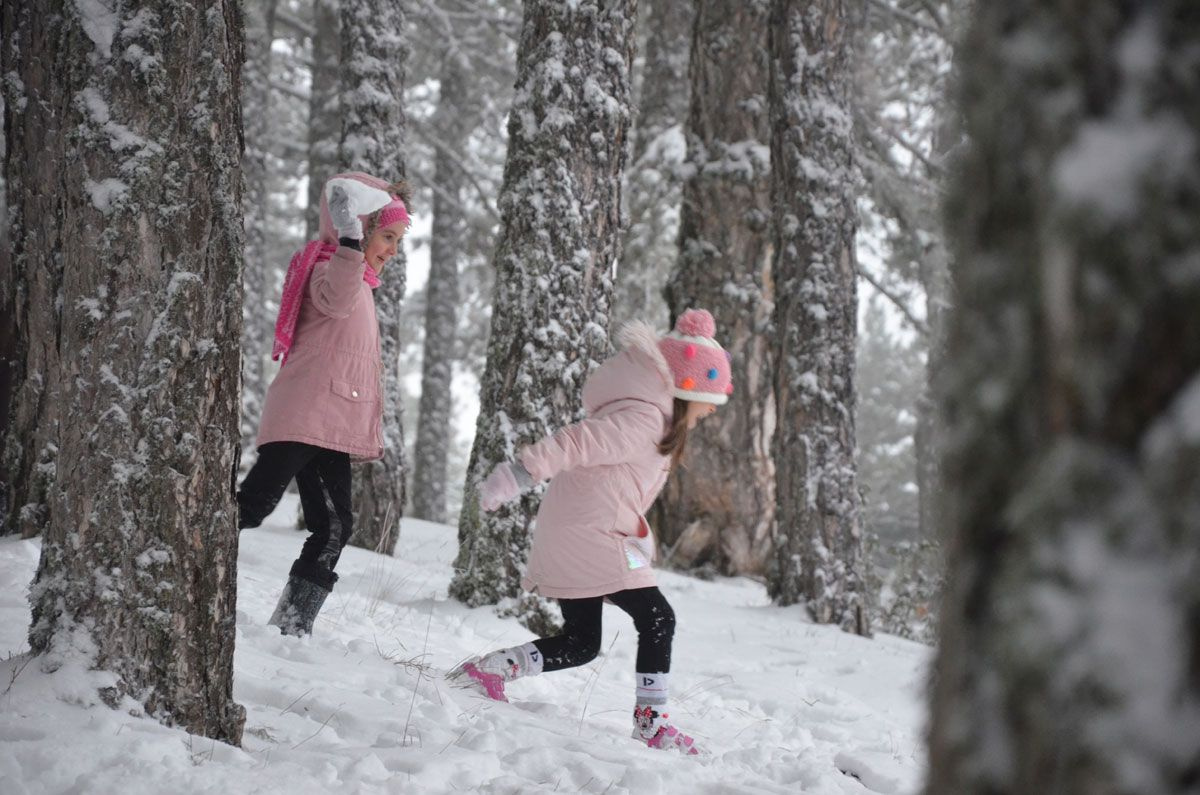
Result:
pixel 324 409
pixel 591 542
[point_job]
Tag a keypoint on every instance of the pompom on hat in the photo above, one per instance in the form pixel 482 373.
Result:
pixel 700 367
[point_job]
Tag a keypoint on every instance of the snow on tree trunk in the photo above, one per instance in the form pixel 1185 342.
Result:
pixel 561 208
pixel 258 322
pixel 452 125
pixel 1070 629
pixel 33 270
pixel 374 52
pixel 818 558
pixel 653 195
pixel 718 511
pixel 139 560
pixel 324 121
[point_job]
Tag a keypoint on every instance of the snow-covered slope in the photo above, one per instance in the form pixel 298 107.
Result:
pixel 782 705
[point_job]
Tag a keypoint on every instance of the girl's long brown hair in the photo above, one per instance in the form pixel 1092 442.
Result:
pixel 675 441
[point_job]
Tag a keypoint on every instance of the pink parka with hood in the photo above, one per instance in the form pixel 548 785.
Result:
pixel 329 392
pixel 591 538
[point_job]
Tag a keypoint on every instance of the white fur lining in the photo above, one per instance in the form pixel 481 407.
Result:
pixel 642 336
pixel 702 341
pixel 701 397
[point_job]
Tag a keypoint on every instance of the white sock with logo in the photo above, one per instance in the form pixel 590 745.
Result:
pixel 652 688
pixel 530 659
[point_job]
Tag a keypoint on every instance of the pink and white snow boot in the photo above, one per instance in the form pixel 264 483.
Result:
pixel 487 675
pixel 651 727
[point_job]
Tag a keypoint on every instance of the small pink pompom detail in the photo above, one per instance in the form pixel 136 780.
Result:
pixel 696 323
pixel 729 389
pixel 690 351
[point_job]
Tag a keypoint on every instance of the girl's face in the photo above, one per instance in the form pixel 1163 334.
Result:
pixel 382 245
pixel 698 410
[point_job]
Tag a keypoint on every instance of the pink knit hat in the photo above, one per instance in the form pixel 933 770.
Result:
pixel 392 212
pixel 700 367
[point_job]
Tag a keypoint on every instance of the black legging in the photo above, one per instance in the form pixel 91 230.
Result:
pixel 323 479
pixel 579 642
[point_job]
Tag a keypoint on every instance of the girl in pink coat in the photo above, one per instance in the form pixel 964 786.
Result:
pixel 591 542
pixel 324 408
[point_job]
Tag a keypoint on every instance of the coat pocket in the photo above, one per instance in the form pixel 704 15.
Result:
pixel 351 392
pixel 638 552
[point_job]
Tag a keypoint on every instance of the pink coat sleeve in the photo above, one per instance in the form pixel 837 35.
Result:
pixel 595 441
pixel 335 285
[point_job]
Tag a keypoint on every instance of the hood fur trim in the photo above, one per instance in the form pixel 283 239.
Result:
pixel 641 336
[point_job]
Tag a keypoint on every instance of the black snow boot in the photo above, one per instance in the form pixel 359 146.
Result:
pixel 302 598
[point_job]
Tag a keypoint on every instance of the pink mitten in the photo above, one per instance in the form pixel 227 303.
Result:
pixel 500 487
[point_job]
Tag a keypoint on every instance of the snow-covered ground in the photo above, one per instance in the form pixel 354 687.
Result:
pixel 782 705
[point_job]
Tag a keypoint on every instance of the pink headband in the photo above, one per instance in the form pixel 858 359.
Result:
pixel 393 212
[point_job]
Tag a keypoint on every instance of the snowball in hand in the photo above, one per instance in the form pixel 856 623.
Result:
pixel 348 199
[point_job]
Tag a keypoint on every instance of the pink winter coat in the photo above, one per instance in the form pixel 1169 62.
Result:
pixel 329 392
pixel 591 538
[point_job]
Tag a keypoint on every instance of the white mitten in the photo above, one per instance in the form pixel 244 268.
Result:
pixel 348 199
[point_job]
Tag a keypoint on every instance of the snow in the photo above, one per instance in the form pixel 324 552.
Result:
pixel 361 706
pixel 99 22
pixel 105 195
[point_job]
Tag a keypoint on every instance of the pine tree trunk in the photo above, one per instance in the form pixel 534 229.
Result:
pixel 933 270
pixel 927 440
pixel 31 283
pixel 1070 631
pixel 718 511
pixel 818 546
pixel 139 558
pixel 8 327
pixel 561 232
pixel 324 121
pixel 434 429
pixel 650 246
pixel 374 53
pixel 258 320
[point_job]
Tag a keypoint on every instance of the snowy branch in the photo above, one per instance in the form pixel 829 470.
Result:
pixel 418 128
pixel 290 90
pixel 905 16
pixel 913 149
pixel 917 324
pixel 298 25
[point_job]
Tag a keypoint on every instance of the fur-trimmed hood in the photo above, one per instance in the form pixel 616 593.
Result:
pixel 639 371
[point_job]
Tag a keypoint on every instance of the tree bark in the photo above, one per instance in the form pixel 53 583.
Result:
pixel 258 321
pixel 324 121
pixel 139 559
pixel 650 246
pixel 561 232
pixel 1068 659
pixel 435 430
pixel 31 284
pixel 718 510
pixel 818 557
pixel 374 52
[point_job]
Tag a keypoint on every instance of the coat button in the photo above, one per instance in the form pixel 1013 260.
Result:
pixel 353 393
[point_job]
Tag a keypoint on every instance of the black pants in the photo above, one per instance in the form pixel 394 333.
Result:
pixel 579 642
pixel 323 478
